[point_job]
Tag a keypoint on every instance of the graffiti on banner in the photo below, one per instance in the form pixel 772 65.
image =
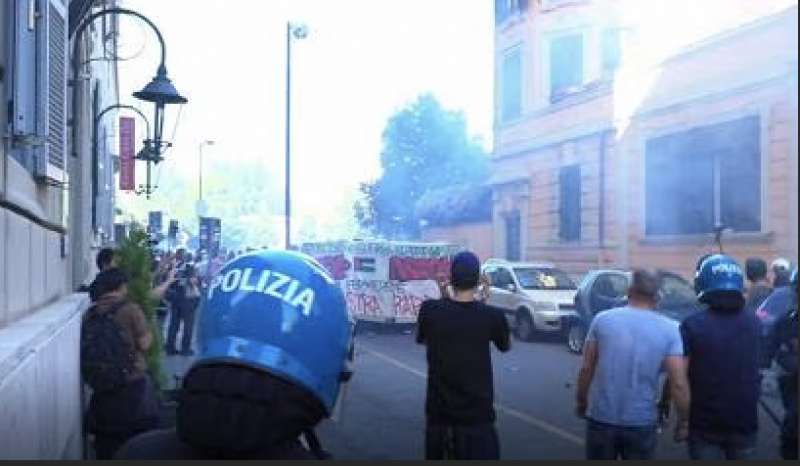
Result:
pixel 381 298
pixel 379 248
pixel 337 265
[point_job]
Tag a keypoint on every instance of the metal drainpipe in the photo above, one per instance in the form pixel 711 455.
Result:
pixel 601 233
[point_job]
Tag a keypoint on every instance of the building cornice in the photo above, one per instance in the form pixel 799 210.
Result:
pixel 722 37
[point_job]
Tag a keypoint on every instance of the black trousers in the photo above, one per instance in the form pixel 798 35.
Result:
pixel 182 315
pixel 473 442
pixel 116 416
pixel 106 446
pixel 788 386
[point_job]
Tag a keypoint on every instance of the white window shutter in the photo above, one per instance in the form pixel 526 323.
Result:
pixel 24 68
pixel 23 83
pixel 52 67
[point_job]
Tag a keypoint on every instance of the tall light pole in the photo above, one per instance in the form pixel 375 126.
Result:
pixel 293 31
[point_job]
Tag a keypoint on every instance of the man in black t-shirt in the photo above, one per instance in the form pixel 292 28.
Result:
pixel 458 331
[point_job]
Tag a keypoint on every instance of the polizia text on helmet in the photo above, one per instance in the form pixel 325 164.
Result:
pixel 269 282
pixel 726 268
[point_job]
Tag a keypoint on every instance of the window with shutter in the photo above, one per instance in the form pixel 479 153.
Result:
pixel 52 88
pixel 513 237
pixel 570 203
pixel 612 51
pixel 566 65
pixel 511 92
pixel 23 83
pixel 39 86
pixel 505 9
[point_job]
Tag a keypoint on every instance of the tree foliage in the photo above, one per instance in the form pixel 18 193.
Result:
pixel 135 260
pixel 456 204
pixel 425 147
pixel 242 194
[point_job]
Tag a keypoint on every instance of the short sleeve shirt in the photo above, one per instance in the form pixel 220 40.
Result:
pixel 458 337
pixel 632 346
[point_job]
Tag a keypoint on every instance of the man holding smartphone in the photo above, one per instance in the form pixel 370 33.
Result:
pixel 458 330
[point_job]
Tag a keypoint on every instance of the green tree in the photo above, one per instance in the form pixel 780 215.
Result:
pixel 242 193
pixel 425 147
pixel 135 260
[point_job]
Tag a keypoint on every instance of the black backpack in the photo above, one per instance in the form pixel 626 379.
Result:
pixel 107 357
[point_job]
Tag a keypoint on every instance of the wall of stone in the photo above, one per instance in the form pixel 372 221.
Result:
pixel 40 399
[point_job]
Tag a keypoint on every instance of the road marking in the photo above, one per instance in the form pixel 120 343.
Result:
pixel 543 425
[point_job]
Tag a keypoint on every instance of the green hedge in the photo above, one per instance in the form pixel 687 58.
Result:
pixel 135 260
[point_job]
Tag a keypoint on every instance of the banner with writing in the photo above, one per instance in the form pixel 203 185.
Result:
pixel 384 281
pixel 127 154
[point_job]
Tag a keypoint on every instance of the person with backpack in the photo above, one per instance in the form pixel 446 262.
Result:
pixel 275 351
pixel 722 345
pixel 114 338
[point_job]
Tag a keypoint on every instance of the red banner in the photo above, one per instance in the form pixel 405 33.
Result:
pixel 127 154
pixel 413 268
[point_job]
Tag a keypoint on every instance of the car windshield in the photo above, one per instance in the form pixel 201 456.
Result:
pixel 541 278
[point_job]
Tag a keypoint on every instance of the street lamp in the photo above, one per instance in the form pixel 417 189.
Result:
pixel 159 91
pixel 298 32
pixel 95 150
pixel 200 175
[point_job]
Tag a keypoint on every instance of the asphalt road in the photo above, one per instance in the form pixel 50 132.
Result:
pixel 382 414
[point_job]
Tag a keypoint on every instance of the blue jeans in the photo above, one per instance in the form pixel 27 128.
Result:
pixel 610 442
pixel 714 446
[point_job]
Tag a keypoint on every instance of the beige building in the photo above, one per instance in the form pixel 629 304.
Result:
pixel 47 234
pixel 602 161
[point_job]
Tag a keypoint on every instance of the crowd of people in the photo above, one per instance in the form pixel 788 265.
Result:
pixel 271 365
pixel 714 361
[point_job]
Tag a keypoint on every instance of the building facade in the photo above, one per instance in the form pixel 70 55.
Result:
pixel 600 162
pixel 47 236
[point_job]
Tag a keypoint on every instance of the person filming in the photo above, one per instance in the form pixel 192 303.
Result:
pixel 458 330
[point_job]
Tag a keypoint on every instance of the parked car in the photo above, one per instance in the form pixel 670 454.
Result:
pixel 534 296
pixel 601 290
pixel 777 305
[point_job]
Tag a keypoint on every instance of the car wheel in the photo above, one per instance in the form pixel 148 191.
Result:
pixel 576 336
pixel 524 328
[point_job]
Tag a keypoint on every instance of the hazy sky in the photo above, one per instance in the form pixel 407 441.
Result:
pixel 362 60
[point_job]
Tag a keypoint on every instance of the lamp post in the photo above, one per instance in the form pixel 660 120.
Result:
pixel 299 32
pixel 159 91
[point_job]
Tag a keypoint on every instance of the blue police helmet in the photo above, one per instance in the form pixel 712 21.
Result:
pixel 280 312
pixel 719 273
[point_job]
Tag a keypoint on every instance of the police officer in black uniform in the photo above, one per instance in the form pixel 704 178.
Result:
pixel 782 347
pixel 275 343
